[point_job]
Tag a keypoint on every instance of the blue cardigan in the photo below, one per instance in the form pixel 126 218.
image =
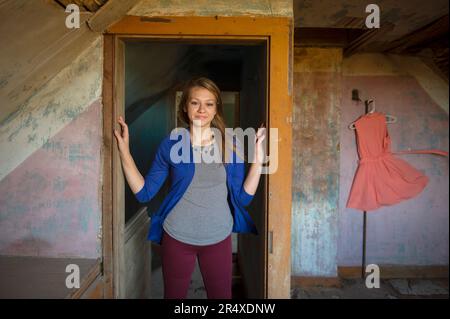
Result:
pixel 181 175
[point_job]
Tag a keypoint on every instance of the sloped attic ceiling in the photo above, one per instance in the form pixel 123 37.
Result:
pixel 412 27
pixel 38 47
pixel 84 5
pixel 36 44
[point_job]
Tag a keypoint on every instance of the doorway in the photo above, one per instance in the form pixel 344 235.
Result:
pixel 154 73
pixel 243 67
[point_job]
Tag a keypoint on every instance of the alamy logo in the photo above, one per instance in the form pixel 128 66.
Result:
pixel 180 152
pixel 73 19
pixel 373 19
pixel 373 279
pixel 73 279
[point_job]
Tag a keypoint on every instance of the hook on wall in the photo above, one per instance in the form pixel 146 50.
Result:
pixel 368 102
pixel 355 95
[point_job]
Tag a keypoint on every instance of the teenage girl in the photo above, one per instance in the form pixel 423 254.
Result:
pixel 206 200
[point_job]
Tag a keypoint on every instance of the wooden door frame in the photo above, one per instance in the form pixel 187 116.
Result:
pixel 277 31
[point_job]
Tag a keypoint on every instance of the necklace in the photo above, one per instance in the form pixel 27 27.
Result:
pixel 212 139
pixel 204 148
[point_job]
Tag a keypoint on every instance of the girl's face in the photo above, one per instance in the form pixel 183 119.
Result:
pixel 201 107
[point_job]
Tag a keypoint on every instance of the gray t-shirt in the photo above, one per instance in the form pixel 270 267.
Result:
pixel 202 216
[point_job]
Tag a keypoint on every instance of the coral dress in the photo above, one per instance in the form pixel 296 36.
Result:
pixel 381 178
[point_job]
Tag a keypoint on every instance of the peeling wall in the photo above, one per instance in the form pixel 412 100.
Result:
pixel 416 231
pixel 50 173
pixel 50 144
pixel 213 7
pixel 325 234
pixel 50 176
pixel 50 109
pixel 36 45
pixel 375 64
pixel 315 193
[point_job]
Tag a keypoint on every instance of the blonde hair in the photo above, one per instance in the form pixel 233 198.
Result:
pixel 218 121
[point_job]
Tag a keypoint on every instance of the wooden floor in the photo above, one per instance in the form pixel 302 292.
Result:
pixel 37 277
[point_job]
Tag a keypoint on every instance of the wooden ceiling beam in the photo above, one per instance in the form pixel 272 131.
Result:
pixel 65 3
pixel 91 5
pixel 111 12
pixel 84 5
pixel 420 37
pixel 362 42
pixel 325 37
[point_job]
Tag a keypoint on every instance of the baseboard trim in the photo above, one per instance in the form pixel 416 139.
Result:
pixel 393 271
pixel 386 272
pixel 303 281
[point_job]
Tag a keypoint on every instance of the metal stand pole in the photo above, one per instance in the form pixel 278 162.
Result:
pixel 363 266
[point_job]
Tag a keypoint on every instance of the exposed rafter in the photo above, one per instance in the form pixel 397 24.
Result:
pixel 111 12
pixel 84 5
pixel 429 42
pixel 421 37
pixel 364 40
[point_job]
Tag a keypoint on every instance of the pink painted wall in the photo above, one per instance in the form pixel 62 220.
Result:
pixel 414 232
pixel 51 203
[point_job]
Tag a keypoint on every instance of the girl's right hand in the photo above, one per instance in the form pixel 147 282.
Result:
pixel 123 139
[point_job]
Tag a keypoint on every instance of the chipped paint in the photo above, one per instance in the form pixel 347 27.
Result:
pixel 317 78
pixel 316 60
pixel 373 64
pixel 51 203
pixel 60 101
pixel 212 7
pixel 50 199
pixel 35 50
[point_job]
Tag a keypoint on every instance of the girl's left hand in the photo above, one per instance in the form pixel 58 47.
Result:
pixel 259 151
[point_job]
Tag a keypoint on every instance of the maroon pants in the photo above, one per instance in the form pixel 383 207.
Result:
pixel 178 263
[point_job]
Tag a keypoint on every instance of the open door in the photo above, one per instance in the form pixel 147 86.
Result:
pixel 252 250
pixel 265 259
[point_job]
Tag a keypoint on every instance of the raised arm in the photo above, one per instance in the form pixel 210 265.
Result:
pixel 254 174
pixel 133 176
pixel 143 189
